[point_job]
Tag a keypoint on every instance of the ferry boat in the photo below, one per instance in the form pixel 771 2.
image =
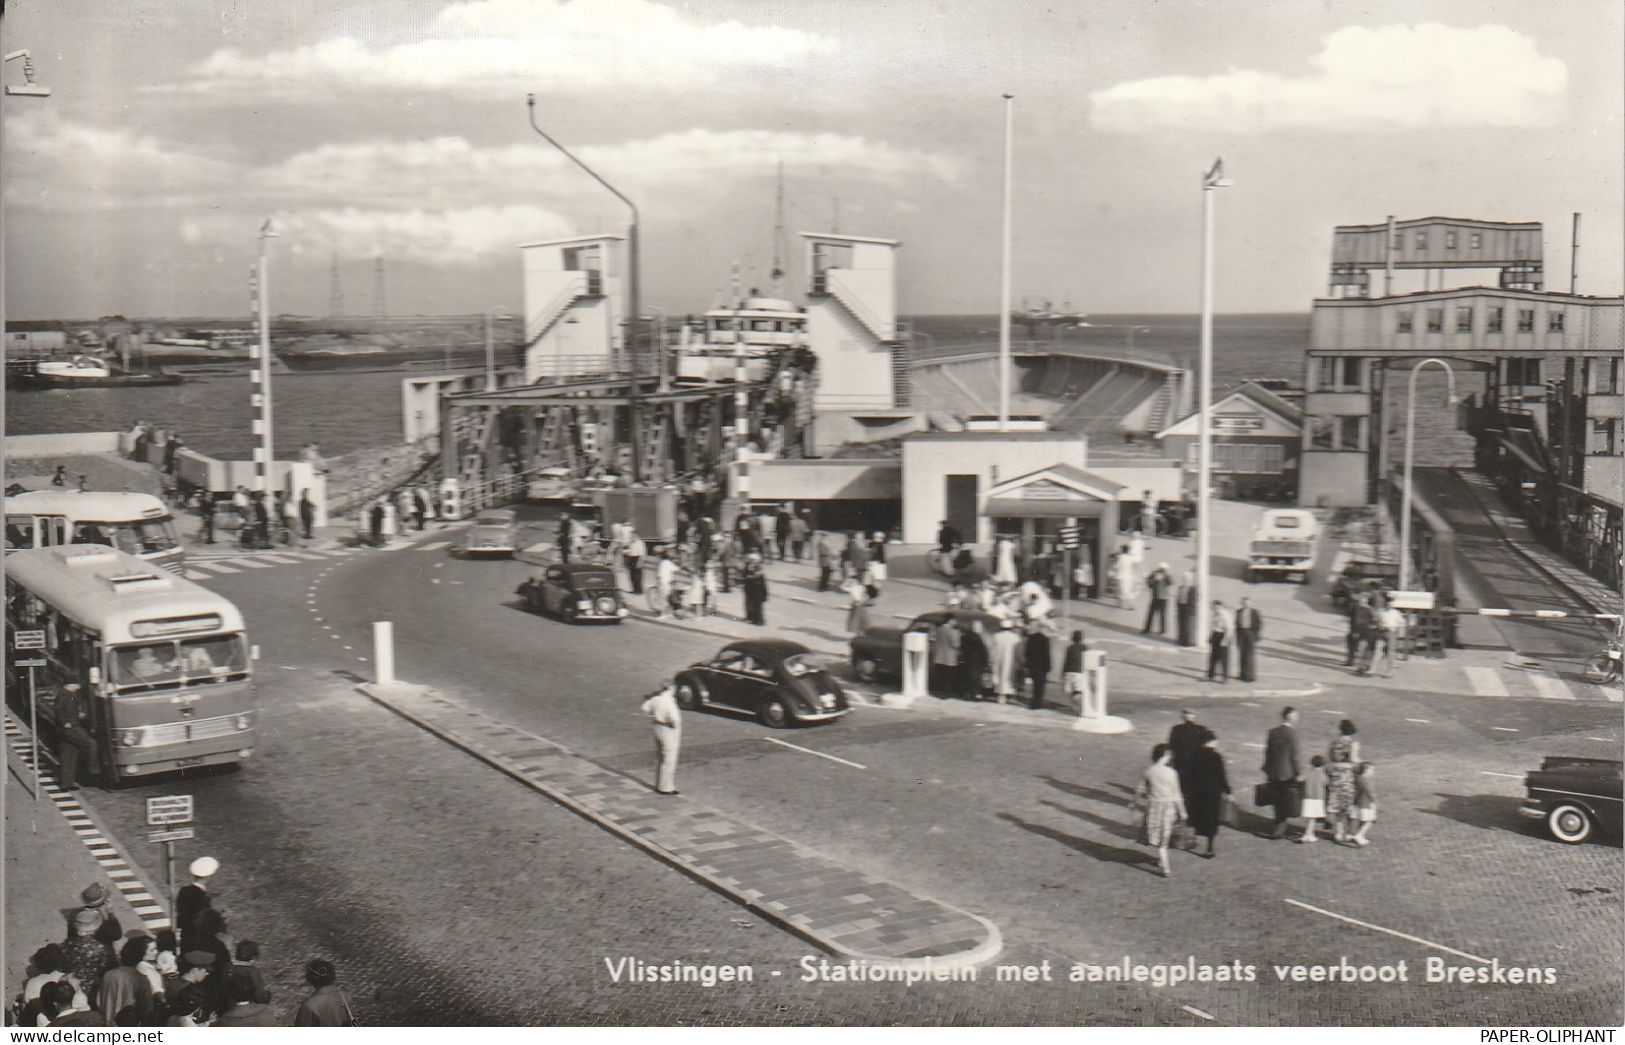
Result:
pixel 762 326
pixel 86 371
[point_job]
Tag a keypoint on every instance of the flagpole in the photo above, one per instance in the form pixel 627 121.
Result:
pixel 1213 179
pixel 1004 273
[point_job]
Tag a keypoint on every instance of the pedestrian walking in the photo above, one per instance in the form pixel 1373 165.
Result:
pixel 326 1006
pixel 1148 514
pixel 1220 631
pixel 1037 656
pixel 1206 788
pixel 1136 549
pixel 124 986
pixel 307 514
pixel 1083 574
pixel 1006 651
pixel 1185 610
pixel 1074 680
pixel 60 476
pixel 974 659
pixel 632 553
pixel 1391 627
pixel 1281 770
pixel 1158 584
pixel 1163 806
pixel 667 719
pixel 391 522
pixel 407 507
pixel 1123 570
pixel 74 744
pixel 945 642
pixel 665 584
pixel 1365 804
pixel 754 583
pixel 1353 638
pixel 799 529
pixel 1313 809
pixel 205 511
pixel 375 524
pixel 1185 738
pixel 781 531
pixel 857 608
pixel 1249 629
pixel 1342 767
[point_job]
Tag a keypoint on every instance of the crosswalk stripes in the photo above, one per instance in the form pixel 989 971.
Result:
pixel 1540 685
pixel 1552 688
pixel 218 567
pixel 1486 682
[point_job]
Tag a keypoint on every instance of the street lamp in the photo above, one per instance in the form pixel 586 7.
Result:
pixel 1405 497
pixel 631 286
pixel 659 340
pixel 1004 266
pixel 1212 180
pixel 28 86
pixel 490 351
pixel 262 377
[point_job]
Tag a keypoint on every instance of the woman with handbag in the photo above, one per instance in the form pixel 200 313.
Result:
pixel 1207 789
pixel 1163 804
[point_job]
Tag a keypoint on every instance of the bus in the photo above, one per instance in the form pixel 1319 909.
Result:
pixel 137 523
pixel 165 663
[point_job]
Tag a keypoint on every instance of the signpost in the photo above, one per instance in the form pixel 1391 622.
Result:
pixel 164 811
pixel 1071 535
pixel 31 640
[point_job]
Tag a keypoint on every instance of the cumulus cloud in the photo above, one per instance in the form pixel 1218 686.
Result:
pixel 555 45
pixel 1393 77
pixel 55 163
pixel 455 236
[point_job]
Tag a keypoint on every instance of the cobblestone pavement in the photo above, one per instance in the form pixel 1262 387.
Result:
pixel 451 894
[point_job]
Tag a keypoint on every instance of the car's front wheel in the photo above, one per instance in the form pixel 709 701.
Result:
pixel 688 695
pixel 867 669
pixel 774 713
pixel 1570 824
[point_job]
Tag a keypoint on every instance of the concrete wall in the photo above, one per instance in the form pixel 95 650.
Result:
pixel 824 480
pixel 854 369
pixel 1165 479
pixel 991 456
pixel 54 443
pixel 1337 480
pixel 831 430
pixel 1605 476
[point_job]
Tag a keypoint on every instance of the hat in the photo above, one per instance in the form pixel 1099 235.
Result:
pixel 198 959
pixel 87 921
pixel 204 867
pixel 94 895
pixel 1162 566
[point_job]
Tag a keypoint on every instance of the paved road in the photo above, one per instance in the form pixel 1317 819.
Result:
pixel 449 894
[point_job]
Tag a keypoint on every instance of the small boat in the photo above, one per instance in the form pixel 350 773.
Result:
pixel 85 372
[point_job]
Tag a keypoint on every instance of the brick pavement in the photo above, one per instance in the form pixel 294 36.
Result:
pixel 848 912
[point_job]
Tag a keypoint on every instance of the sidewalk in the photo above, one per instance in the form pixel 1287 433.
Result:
pixel 845 911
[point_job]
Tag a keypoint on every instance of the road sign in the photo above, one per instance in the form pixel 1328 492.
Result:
pixel 178 834
pixel 30 662
pixel 1071 537
pixel 1411 600
pixel 28 640
pixel 169 809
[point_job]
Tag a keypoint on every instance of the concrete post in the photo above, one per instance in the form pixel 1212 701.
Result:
pixel 916 666
pixel 1093 717
pixel 383 652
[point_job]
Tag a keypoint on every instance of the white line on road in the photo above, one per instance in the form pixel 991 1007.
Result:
pixel 194 575
pixel 1509 776
pixel 1504 729
pixel 810 751
pixel 1196 1012
pixel 1421 721
pixel 1485 682
pixel 434 546
pixel 1552 688
pixel 1323 711
pixel 218 567
pixel 1390 932
pixel 1250 744
pixel 1604 740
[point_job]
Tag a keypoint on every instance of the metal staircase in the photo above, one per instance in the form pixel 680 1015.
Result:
pixel 586 284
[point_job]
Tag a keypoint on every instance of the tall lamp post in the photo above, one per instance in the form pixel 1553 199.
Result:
pixel 261 397
pixel 1213 180
pixel 1004 267
pixel 490 346
pixel 1410 443
pixel 631 289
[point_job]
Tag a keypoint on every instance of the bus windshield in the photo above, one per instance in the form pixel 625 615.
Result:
pixel 177 662
pixel 138 537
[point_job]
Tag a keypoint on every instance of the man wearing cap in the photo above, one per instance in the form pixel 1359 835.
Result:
pixel 94 898
pixel 194 899
pixel 667 719
pixel 326 1006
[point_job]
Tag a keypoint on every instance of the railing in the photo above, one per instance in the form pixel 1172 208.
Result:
pixel 581 365
pixel 551 312
pixel 1584 528
pixel 854 304
pixel 503 489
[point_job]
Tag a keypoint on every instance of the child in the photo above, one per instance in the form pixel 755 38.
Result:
pixel 1314 797
pixel 1365 803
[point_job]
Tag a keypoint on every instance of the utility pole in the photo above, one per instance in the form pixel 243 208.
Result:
pixel 1004 270
pixel 1213 180
pixel 261 376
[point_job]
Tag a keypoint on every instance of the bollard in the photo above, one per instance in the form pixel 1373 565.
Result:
pixel 1093 717
pixel 383 652
pixel 916 664
pixel 451 504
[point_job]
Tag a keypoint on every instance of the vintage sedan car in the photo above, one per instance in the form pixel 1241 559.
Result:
pixel 551 484
pixel 1575 797
pixel 1363 575
pixel 575 592
pixel 495 531
pixel 878 652
pixel 778 681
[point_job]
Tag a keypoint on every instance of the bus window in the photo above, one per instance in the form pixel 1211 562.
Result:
pixel 153 664
pixel 214 657
pixel 19 533
pixel 91 533
pixel 140 538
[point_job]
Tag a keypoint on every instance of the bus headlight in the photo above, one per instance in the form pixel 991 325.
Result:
pixel 244 722
pixel 129 737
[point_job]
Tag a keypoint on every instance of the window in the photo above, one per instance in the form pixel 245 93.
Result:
pixel 1464 320
pixel 1353 371
pixel 1475 241
pixel 1405 323
pixel 1319 430
pixel 1523 372
pixel 1450 241
pixel 1435 320
pixel 1604 435
pixel 1492 320
pixel 1248 458
pixel 1421 241
pixel 1348 433
pixel 1526 321
pixel 1554 322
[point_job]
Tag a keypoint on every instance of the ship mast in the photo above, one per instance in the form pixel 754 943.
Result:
pixel 776 276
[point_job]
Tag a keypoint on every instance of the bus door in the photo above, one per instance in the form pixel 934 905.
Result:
pixel 35 531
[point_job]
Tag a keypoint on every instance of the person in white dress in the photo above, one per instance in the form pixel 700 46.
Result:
pixel 1004 561
pixel 1126 581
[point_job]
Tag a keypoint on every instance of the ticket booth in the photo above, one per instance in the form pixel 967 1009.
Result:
pixel 1032 508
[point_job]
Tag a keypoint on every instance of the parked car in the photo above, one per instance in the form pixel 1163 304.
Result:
pixel 778 681
pixel 878 652
pixel 551 484
pixel 1576 798
pixel 575 592
pixel 495 532
pixel 1363 575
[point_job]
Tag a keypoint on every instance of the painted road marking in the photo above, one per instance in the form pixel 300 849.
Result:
pixel 219 567
pixel 1604 740
pixel 252 564
pixel 1421 721
pixel 810 751
pixel 1552 688
pixel 1196 1012
pixel 1509 776
pixel 1504 729
pixel 1485 682
pixel 280 560
pixel 193 575
pixel 1250 744
pixel 1390 932
pixel 434 546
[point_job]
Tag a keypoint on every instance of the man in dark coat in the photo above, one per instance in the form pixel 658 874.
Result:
pixel 205 510
pixel 193 899
pixel 1282 769
pixel 947 537
pixel 1159 584
pixel 74 744
pixel 1037 657
pixel 94 898
pixel 754 583
pixel 781 532
pixel 326 1006
pixel 1185 738
pixel 1249 629
pixel 307 513
pixel 973 661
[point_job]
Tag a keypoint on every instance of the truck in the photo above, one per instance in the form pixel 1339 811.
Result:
pixel 1283 545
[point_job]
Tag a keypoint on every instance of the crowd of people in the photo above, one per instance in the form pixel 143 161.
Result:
pixel 381 519
pixel 197 974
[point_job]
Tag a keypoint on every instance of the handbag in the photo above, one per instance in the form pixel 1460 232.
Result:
pixel 1229 815
pixel 1183 836
pixel 1264 794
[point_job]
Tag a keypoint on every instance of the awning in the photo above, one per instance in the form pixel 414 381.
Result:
pixel 1044 508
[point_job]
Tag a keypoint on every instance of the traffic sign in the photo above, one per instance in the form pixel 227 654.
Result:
pixel 178 834
pixel 169 809
pixel 1071 537
pixel 30 662
pixel 28 639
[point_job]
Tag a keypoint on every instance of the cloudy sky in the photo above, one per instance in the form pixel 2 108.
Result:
pixel 397 129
